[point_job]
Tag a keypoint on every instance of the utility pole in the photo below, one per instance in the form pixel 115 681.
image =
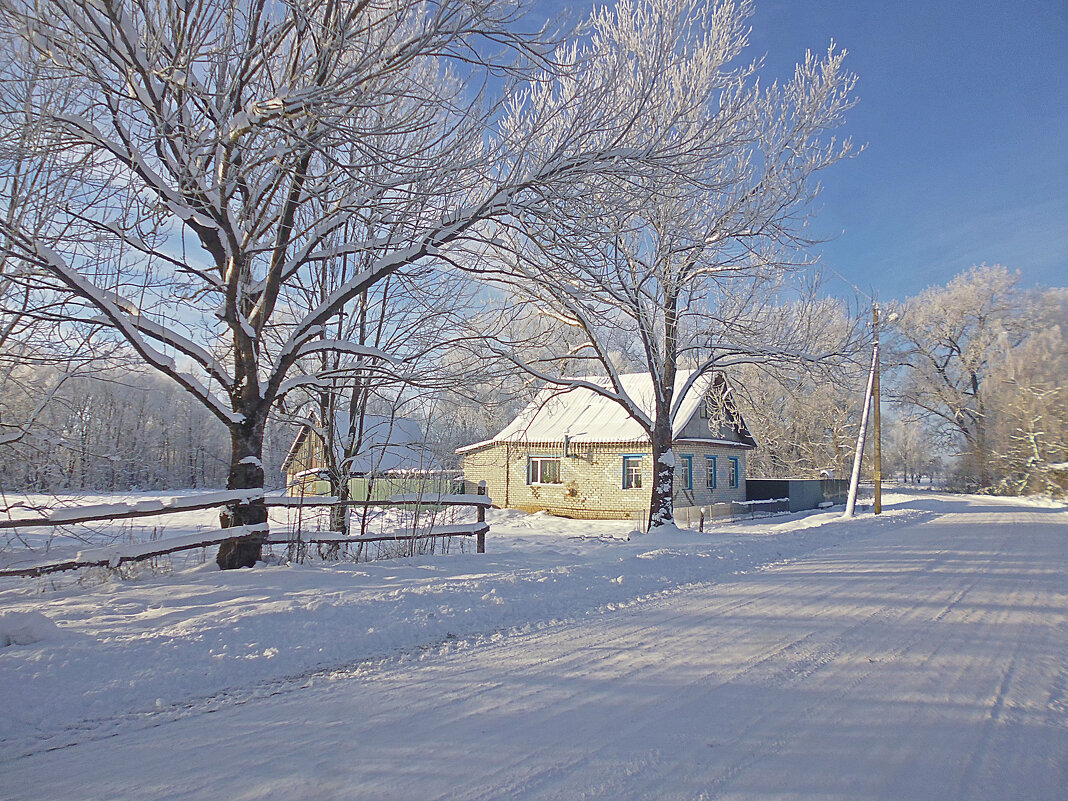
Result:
pixel 862 435
pixel 876 417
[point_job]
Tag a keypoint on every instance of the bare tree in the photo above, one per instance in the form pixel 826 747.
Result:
pixel 39 353
pixel 950 339
pixel 409 315
pixel 216 148
pixel 112 429
pixel 1027 405
pixel 910 449
pixel 805 414
pixel 684 269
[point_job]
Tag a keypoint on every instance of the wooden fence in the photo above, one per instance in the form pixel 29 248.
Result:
pixel 115 555
pixel 478 529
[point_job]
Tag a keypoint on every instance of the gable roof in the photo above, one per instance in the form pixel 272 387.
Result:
pixel 584 416
pixel 388 443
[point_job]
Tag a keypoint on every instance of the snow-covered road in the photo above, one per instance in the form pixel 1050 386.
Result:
pixel 927 661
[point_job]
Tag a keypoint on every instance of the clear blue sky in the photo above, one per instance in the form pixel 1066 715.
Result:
pixel 963 106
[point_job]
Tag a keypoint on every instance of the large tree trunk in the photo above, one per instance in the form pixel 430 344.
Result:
pixel 980 448
pixel 339 514
pixel 340 485
pixel 246 472
pixel 661 503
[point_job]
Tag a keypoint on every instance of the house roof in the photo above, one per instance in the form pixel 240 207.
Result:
pixel 386 444
pixel 584 416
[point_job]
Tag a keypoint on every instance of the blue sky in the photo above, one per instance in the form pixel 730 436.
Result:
pixel 963 107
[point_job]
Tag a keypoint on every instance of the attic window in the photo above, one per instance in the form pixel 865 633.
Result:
pixel 543 470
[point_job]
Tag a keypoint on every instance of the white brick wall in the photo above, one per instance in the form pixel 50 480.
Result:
pixel 591 478
pixel 702 494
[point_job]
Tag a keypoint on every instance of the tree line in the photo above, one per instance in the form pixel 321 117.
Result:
pixel 975 392
pixel 974 398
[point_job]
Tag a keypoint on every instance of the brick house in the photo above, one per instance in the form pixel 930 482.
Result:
pixel 577 454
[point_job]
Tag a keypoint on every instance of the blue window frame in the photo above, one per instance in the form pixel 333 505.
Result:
pixel 684 470
pixel 710 472
pixel 632 471
pixel 734 472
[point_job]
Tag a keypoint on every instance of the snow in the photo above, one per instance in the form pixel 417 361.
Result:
pixel 302 381
pixel 26 628
pixel 920 654
pixel 114 555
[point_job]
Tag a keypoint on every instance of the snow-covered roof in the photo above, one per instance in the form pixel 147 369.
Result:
pixel 387 444
pixel 584 416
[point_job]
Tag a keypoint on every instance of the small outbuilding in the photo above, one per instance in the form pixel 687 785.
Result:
pixel 392 459
pixel 576 453
pixel 801 493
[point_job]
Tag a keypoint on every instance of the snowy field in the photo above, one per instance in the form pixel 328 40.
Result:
pixel 920 655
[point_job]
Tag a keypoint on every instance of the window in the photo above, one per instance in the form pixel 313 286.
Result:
pixel 684 471
pixel 632 472
pixel 710 472
pixel 733 477
pixel 543 470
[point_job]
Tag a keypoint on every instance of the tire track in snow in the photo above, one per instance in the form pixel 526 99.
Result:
pixel 372 668
pixel 794 662
pixel 809 663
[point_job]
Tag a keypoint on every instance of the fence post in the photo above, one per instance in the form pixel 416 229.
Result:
pixel 701 524
pixel 481 537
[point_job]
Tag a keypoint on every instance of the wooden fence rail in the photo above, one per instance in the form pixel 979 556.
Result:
pixel 115 555
pixel 150 507
pixel 413 499
pixel 478 530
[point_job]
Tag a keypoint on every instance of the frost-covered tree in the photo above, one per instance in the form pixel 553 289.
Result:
pixel 1027 405
pixel 804 414
pixel 950 339
pixel 212 151
pixel 683 269
pixel 39 353
pixel 409 315
pixel 114 428
pixel 909 449
pixel 984 366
